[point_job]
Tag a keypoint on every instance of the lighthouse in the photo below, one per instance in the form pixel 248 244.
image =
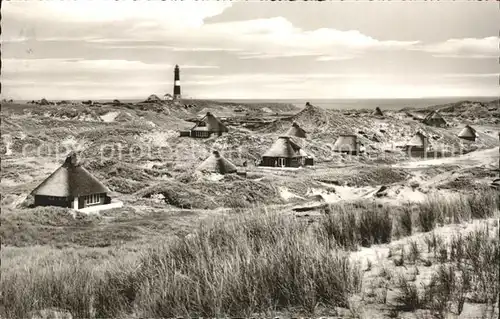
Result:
pixel 177 83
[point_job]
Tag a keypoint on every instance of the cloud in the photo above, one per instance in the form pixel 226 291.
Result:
pixel 271 38
pixel 333 58
pixel 151 13
pixel 48 66
pixel 464 48
pixel 129 48
pixel 472 75
pixel 181 26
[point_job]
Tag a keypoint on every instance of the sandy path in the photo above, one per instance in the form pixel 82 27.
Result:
pixel 487 157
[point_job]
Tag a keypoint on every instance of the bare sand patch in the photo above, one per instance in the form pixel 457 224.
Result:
pixel 110 116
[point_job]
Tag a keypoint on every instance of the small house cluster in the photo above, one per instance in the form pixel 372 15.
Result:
pixel 283 153
pixel 72 186
pixel 419 145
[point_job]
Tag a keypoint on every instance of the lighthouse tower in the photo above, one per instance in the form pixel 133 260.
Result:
pixel 177 83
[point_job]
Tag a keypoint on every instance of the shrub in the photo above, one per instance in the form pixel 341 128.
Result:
pixel 125 185
pixel 427 216
pixel 447 288
pixel 408 299
pixel 406 221
pixel 414 252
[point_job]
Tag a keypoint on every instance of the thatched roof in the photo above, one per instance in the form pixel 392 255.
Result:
pixel 434 117
pixel 153 98
pixel 212 124
pixel 496 184
pixel 71 179
pixel 216 163
pixel 418 139
pixel 468 131
pixel 378 112
pixel 296 131
pixel 346 143
pixel 283 147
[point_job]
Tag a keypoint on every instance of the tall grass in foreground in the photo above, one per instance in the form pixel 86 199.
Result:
pixel 468 273
pixel 258 263
pixel 255 263
pixel 439 211
pixel 350 225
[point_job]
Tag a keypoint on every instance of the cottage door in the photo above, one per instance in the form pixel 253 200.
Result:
pixel 281 162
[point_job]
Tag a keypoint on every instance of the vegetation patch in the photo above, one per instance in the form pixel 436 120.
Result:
pixel 256 264
pixel 351 225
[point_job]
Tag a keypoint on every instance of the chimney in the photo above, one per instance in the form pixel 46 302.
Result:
pixel 71 160
pixel 177 83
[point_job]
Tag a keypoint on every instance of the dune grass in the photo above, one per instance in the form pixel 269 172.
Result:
pixel 357 224
pixel 438 211
pixel 468 272
pixel 350 225
pixel 258 263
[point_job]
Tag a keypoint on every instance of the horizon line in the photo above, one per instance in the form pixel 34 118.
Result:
pixel 271 98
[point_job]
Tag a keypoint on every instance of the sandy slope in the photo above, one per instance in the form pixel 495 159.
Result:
pixel 486 158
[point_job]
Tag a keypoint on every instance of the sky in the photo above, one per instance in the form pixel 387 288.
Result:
pixel 261 50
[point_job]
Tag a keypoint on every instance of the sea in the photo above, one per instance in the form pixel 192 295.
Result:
pixel 350 104
pixel 358 104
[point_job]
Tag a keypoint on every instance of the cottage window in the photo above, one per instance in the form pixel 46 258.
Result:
pixel 54 198
pixel 92 199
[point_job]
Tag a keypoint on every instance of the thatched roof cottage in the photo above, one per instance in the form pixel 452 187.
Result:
pixel 468 133
pixel 72 186
pixel 285 153
pixel 378 112
pixel 435 119
pixel 207 126
pixel 216 163
pixel 347 143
